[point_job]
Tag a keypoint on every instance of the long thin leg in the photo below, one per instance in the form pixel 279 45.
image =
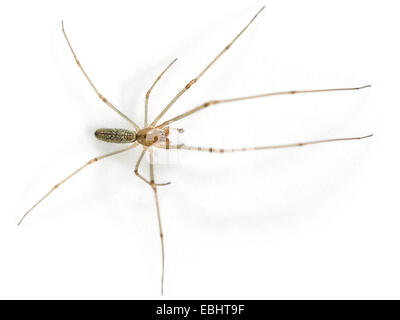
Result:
pixel 74 173
pixel 154 187
pixel 149 91
pixel 140 176
pixel 280 146
pixel 213 102
pixel 92 85
pixel 202 72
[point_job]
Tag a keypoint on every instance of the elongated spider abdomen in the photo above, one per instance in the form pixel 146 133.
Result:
pixel 115 135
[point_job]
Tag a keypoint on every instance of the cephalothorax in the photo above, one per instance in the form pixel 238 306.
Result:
pixel 153 137
pixel 156 135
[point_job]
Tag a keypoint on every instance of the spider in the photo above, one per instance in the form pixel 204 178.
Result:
pixel 155 135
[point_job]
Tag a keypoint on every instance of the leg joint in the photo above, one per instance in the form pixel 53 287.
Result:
pixel 93 160
pixel 209 103
pixel 102 98
pixel 191 83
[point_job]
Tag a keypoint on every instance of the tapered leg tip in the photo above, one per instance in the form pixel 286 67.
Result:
pixel 368 136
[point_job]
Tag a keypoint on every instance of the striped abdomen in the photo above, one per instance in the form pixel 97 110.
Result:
pixel 115 135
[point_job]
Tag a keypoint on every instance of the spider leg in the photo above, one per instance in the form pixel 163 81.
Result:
pixel 74 173
pixel 146 108
pixel 92 85
pixel 143 178
pixel 154 187
pixel 279 146
pixel 202 72
pixel 270 94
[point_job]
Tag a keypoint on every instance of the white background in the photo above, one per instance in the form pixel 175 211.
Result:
pixel 315 222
